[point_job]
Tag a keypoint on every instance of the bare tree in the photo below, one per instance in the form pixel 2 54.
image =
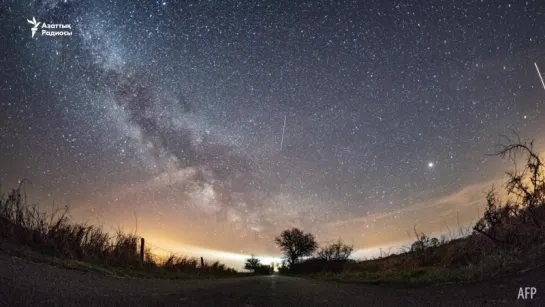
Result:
pixel 526 185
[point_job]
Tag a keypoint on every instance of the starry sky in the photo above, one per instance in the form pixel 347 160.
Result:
pixel 172 113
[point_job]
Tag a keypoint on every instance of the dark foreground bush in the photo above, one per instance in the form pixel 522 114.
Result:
pixel 264 270
pixel 319 265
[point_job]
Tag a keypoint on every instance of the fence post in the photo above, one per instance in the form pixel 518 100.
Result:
pixel 142 250
pixel 202 262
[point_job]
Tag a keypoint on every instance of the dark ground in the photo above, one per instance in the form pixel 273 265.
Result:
pixel 24 283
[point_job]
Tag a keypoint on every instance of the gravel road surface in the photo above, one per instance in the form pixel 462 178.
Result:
pixel 24 283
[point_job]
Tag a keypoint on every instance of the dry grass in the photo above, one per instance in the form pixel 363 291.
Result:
pixel 510 236
pixel 474 257
pixel 192 265
pixel 55 235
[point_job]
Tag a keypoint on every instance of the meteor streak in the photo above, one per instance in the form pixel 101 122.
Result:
pixel 540 77
pixel 284 128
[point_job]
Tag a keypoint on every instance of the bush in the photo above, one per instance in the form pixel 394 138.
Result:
pixel 319 265
pixel 264 270
pixel 336 251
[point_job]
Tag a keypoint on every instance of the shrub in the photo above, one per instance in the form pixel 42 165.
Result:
pixel 264 270
pixel 336 251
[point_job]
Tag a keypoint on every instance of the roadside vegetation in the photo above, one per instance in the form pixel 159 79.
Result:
pixel 255 266
pixel 508 238
pixel 88 247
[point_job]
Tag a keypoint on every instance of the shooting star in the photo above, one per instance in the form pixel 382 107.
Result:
pixel 540 77
pixel 283 129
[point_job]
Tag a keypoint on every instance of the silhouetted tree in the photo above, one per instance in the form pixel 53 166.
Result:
pixel 296 244
pixel 252 264
pixel 336 251
pixel 509 222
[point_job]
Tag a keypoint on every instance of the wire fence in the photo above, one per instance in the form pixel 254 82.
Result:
pixel 153 252
pixel 160 255
pixel 155 249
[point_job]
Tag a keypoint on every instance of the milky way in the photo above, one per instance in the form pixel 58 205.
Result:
pixel 175 112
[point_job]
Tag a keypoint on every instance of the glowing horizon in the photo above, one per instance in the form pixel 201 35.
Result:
pixel 219 133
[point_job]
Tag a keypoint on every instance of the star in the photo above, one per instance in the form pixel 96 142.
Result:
pixel 240 120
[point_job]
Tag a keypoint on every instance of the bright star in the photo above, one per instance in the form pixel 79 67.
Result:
pixel 430 164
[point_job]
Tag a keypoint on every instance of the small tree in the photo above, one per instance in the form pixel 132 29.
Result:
pixel 296 244
pixel 336 251
pixel 252 264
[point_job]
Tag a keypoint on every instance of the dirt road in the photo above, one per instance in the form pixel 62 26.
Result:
pixel 23 283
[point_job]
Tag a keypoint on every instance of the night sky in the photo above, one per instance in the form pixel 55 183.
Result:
pixel 173 111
